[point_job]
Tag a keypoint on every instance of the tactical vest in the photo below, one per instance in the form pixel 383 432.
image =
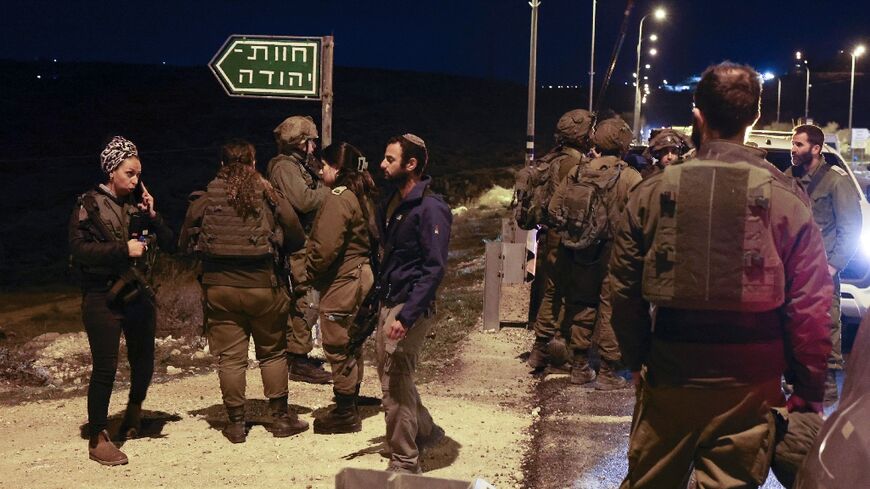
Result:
pixel 105 221
pixel 535 185
pixel 579 209
pixel 224 233
pixel 713 247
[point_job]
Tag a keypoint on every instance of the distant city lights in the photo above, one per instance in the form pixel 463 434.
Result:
pixel 768 76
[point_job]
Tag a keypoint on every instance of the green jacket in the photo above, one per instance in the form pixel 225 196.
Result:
pixel 837 211
pixel 305 193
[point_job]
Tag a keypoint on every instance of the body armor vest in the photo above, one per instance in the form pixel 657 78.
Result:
pixel 225 233
pixel 713 247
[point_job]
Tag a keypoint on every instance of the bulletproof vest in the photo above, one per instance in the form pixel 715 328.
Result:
pixel 579 209
pixel 225 233
pixel 713 247
pixel 535 185
pixel 108 222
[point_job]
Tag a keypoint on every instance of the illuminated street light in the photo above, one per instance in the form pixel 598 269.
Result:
pixel 658 14
pixel 798 55
pixel 768 76
pixel 858 51
pixel 647 66
pixel 654 38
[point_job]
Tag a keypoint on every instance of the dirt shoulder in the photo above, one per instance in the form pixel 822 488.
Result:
pixel 482 400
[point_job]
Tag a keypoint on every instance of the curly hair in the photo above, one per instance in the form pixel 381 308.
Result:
pixel 245 185
pixel 353 173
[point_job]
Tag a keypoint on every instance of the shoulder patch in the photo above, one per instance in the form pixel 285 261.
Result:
pixel 839 170
pixel 338 190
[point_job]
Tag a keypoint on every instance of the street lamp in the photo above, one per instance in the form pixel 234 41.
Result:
pixel 658 14
pixel 592 55
pixel 858 51
pixel 799 56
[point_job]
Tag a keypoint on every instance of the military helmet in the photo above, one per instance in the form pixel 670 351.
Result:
pixel 612 135
pixel 296 129
pixel 668 138
pixel 574 127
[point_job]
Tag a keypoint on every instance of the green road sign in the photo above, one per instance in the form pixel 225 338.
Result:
pixel 265 66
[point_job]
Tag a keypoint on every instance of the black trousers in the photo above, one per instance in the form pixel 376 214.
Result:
pixel 104 325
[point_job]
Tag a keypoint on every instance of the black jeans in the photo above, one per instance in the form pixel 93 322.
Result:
pixel 103 325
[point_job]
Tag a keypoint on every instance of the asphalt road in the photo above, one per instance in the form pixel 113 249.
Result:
pixel 580 437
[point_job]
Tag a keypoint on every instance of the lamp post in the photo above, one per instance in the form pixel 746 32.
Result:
pixel 659 14
pixel 778 96
pixel 798 55
pixel 533 62
pixel 592 55
pixel 858 51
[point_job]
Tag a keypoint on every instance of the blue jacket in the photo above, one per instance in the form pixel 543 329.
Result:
pixel 415 244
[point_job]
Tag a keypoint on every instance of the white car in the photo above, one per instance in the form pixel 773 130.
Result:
pixel 855 278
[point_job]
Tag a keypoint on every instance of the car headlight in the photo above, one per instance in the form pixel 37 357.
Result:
pixel 865 242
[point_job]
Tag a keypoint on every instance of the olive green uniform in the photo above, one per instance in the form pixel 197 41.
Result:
pixel 305 193
pixel 587 296
pixel 716 340
pixel 337 265
pixel 548 321
pixel 244 298
pixel 837 211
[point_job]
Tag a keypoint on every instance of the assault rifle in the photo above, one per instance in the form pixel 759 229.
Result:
pixel 363 326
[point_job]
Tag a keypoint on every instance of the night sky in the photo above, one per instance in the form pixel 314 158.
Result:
pixel 483 38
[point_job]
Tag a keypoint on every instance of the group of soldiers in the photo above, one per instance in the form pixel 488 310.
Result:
pixel 264 245
pixel 714 281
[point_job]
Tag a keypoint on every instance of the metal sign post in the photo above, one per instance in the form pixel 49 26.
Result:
pixel 533 62
pixel 286 67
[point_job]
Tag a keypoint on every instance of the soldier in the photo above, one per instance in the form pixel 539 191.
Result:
pixel 239 226
pixel 415 228
pixel 572 143
pixel 338 265
pixel 666 147
pixel 292 172
pixel 724 249
pixel 601 185
pixel 837 211
pixel 111 236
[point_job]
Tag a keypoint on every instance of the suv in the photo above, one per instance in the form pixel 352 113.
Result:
pixel 855 278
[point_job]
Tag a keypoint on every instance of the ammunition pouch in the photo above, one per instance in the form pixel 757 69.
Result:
pixel 130 286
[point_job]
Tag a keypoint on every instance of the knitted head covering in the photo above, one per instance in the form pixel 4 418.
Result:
pixel 118 150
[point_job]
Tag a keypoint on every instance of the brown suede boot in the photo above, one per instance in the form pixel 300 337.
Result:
pixel 102 450
pixel 235 430
pixel 539 357
pixel 284 424
pixel 303 369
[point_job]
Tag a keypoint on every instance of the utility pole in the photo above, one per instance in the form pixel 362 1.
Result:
pixel 778 96
pixel 592 56
pixel 533 61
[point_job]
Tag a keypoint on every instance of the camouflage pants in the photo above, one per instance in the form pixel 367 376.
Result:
pixel 338 307
pixel 236 314
pixel 835 359
pixel 726 434
pixel 590 324
pixel 404 412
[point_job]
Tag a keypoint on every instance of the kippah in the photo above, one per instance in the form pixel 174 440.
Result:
pixel 414 139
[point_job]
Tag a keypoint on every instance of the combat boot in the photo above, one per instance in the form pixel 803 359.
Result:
pixel 608 379
pixel 303 369
pixel 102 450
pixel 235 430
pixel 539 356
pixel 581 372
pixel 132 422
pixel 343 418
pixel 284 423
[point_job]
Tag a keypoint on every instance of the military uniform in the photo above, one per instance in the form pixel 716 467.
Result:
pixel 725 250
pixel 99 229
pixel 337 265
pixel 244 295
pixel 837 211
pixel 572 132
pixel 587 294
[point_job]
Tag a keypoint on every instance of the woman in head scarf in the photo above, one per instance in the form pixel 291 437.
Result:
pixel 113 235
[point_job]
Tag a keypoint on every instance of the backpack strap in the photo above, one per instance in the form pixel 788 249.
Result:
pixel 817 178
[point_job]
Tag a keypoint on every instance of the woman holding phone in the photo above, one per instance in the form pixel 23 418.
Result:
pixel 112 235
